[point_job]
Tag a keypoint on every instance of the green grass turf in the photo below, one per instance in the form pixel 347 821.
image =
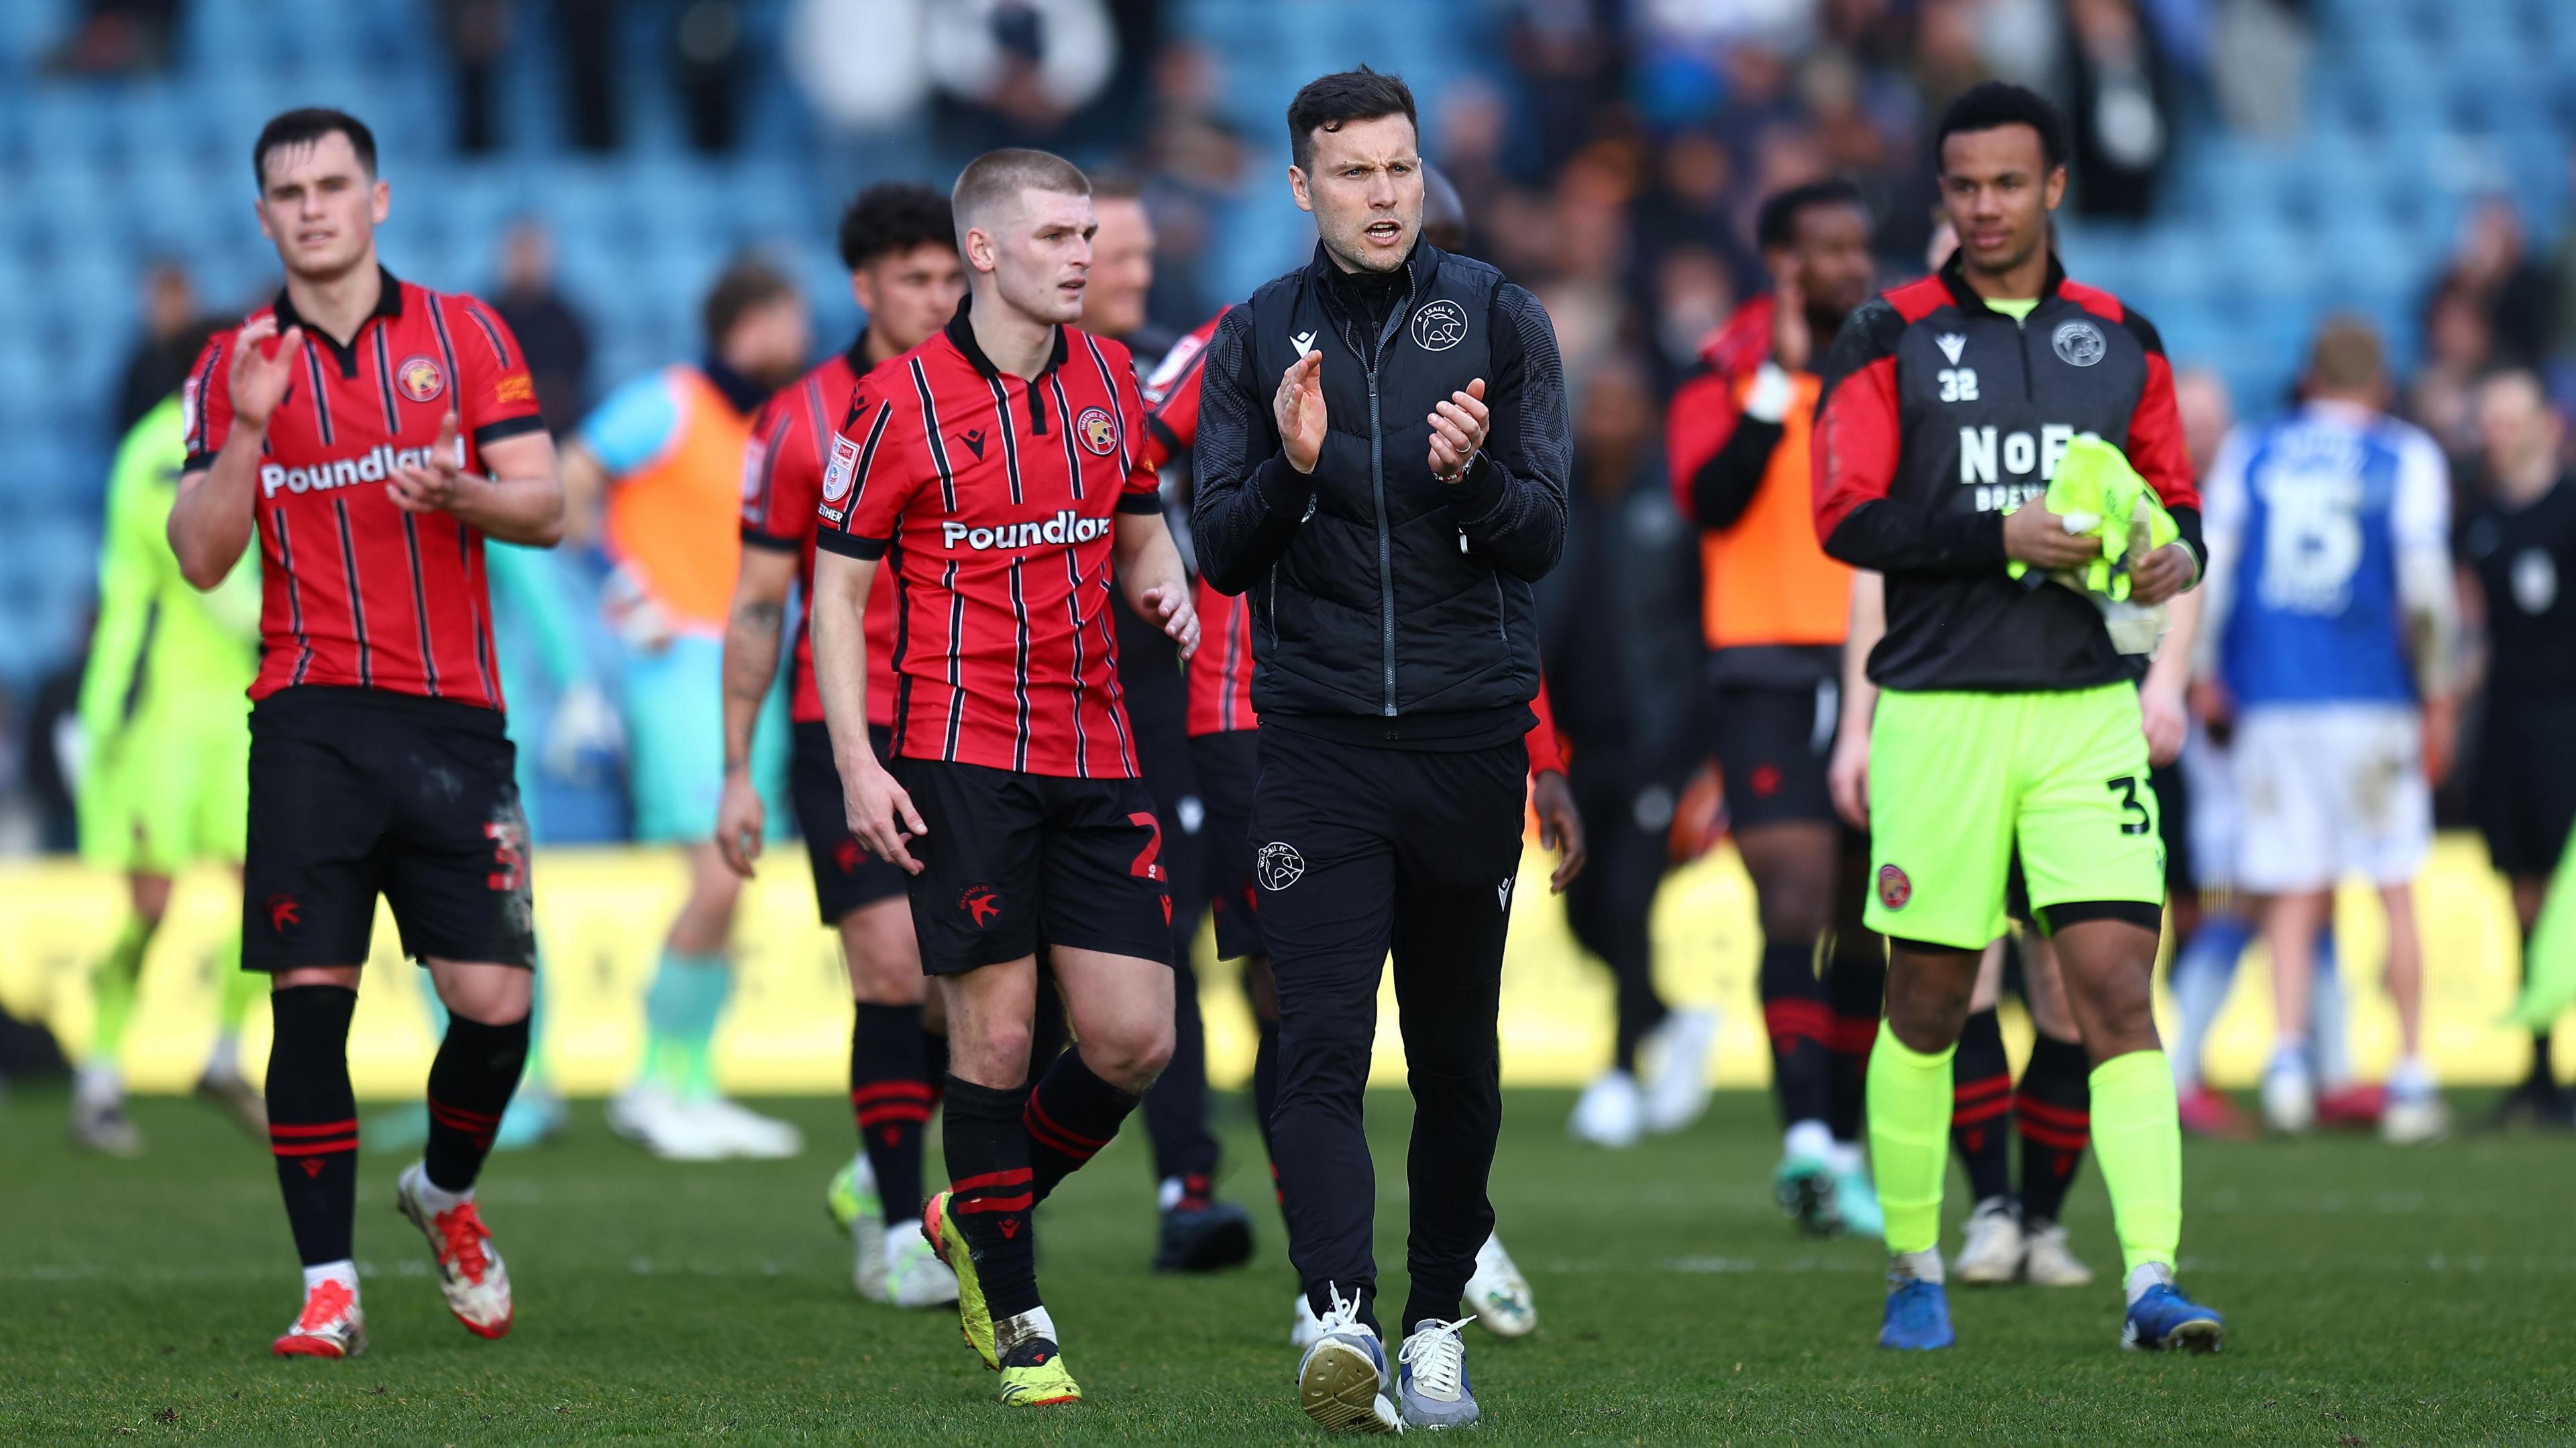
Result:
pixel 2373 1296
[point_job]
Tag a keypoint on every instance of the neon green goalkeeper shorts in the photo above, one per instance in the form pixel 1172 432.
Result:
pixel 171 788
pixel 1957 780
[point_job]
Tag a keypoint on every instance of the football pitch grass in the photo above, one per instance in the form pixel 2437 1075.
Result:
pixel 2373 1296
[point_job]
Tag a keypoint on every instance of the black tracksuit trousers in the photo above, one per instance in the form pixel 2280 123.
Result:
pixel 1361 851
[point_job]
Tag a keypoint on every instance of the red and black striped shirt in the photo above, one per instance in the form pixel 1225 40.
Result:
pixel 782 485
pixel 1220 674
pixel 356 591
pixel 994 496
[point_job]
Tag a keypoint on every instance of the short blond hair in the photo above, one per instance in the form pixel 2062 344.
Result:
pixel 2346 356
pixel 997 178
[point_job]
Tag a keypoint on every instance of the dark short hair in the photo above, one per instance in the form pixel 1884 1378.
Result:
pixel 304 126
pixel 746 284
pixel 1989 105
pixel 891 218
pixel 1777 225
pixel 1329 102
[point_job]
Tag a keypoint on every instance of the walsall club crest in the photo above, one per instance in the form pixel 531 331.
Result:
pixel 420 379
pixel 1278 865
pixel 1894 889
pixel 1098 430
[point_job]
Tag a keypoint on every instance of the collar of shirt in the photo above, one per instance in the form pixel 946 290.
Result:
pixel 389 306
pixel 961 334
pixel 857 356
pixel 1954 275
pixel 744 394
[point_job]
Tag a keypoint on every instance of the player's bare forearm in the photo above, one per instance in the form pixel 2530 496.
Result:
pixel 751 646
pixel 211 521
pixel 841 587
pixel 1146 557
pixel 1868 625
pixel 522 501
pixel 2171 671
pixel 585 488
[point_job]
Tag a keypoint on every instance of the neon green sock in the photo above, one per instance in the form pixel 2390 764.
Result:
pixel 112 988
pixel 240 987
pixel 2137 1136
pixel 1909 1138
pixel 680 1014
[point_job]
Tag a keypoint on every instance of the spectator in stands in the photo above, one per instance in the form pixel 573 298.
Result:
pixel 478 32
pixel 2459 347
pixel 2120 111
pixel 2493 266
pixel 161 356
pixel 550 332
pixel 1020 69
pixel 118 37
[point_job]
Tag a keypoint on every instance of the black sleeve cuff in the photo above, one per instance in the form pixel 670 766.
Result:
pixel 2187 522
pixel 1276 477
pixel 197 463
pixel 1474 498
pixel 1140 502
pixel 508 427
pixel 850 545
pixel 754 538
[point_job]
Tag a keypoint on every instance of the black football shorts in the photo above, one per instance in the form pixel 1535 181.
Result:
pixel 846 876
pixel 356 793
pixel 1012 859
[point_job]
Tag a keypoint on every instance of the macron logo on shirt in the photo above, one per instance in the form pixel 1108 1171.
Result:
pixel 373 466
pixel 1065 527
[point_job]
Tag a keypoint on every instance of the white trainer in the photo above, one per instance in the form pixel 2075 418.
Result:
pixel 737 1131
pixel 1499 1295
pixel 1611 1112
pixel 1677 1084
pixel 635 1112
pixel 710 1130
pixel 1342 1381
pixel 914 1275
pixel 470 1274
pixel 1994 1249
pixel 2414 1119
pixel 2289 1098
pixel 2047 1261
pixel 1305 1329
pixel 1431 1380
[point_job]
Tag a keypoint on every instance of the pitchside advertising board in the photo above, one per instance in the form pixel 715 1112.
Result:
pixel 601 915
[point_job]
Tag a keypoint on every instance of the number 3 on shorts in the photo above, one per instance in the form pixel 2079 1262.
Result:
pixel 2135 818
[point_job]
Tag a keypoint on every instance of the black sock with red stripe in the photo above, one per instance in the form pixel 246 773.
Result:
pixel 990 1192
pixel 1800 1025
pixel 470 1081
pixel 1981 1106
pixel 2055 1110
pixel 1856 992
pixel 313 1117
pixel 890 1099
pixel 1070 1116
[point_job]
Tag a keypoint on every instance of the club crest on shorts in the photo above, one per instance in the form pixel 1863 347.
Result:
pixel 1278 866
pixel 420 379
pixel 1440 325
pixel 982 904
pixel 2079 343
pixel 1894 889
pixel 1098 430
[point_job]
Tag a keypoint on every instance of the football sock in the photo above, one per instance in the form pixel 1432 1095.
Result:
pixel 890 1100
pixel 344 1272
pixel 934 1062
pixel 2328 1043
pixel 112 988
pixel 313 1118
pixel 1856 991
pixel 1909 1111
pixel 470 1081
pixel 1071 1114
pixel 2543 1073
pixel 1800 1026
pixel 1981 1106
pixel 2201 976
pixel 990 1192
pixel 1265 1080
pixel 2054 1110
pixel 2139 1140
pixel 680 1015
